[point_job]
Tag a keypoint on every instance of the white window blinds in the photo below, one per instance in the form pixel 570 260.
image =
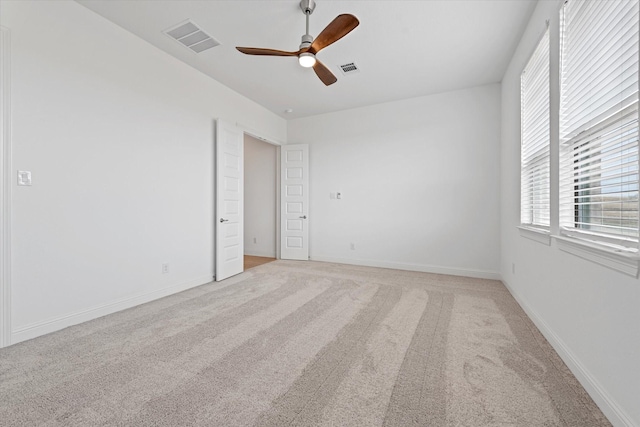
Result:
pixel 534 166
pixel 599 121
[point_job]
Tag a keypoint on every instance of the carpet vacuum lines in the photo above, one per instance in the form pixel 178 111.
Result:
pixel 301 343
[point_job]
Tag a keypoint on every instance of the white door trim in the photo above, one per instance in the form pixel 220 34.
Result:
pixel 258 135
pixel 5 188
pixel 269 140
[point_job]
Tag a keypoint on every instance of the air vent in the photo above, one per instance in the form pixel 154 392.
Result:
pixel 191 36
pixel 349 68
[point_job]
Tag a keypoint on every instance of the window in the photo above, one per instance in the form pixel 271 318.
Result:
pixel 534 163
pixel 599 122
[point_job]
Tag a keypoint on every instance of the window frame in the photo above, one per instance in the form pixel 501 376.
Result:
pixel 586 246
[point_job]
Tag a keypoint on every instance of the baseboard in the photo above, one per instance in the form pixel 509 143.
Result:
pixel 260 253
pixel 51 325
pixel 480 274
pixel 605 402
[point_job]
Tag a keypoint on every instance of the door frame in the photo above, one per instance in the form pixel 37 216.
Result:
pixel 277 144
pixel 5 188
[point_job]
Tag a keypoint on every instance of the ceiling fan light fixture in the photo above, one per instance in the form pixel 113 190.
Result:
pixel 307 59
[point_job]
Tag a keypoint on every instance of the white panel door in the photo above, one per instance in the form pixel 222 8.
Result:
pixel 229 200
pixel 294 212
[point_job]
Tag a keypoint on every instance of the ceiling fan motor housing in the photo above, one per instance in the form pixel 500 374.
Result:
pixel 306 41
pixel 307 6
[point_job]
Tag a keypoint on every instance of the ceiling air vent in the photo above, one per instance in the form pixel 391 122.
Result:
pixel 349 68
pixel 190 35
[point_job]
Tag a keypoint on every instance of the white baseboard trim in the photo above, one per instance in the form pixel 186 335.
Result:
pixel 260 253
pixel 37 329
pixel 480 274
pixel 616 415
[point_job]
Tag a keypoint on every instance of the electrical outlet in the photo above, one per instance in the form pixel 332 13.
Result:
pixel 165 268
pixel 353 246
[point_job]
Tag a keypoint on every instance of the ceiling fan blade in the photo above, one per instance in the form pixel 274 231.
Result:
pixel 267 52
pixel 337 29
pixel 324 73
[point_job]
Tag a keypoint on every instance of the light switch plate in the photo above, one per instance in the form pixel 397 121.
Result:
pixel 24 177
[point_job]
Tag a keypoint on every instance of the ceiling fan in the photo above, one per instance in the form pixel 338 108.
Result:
pixel 337 29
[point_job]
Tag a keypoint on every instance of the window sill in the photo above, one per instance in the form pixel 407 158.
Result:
pixel 535 234
pixel 624 262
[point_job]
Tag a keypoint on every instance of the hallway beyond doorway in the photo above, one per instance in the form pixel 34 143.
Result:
pixel 254 261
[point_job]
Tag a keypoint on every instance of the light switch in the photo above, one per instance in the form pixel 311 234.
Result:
pixel 339 195
pixel 24 177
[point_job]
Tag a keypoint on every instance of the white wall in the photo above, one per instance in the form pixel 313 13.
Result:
pixel 119 138
pixel 589 313
pixel 259 197
pixel 419 180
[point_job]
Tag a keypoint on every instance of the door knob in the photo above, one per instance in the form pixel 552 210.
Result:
pixel 223 220
pixel 303 217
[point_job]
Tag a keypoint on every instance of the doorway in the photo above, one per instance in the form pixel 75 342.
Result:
pixel 260 201
pixel 289 227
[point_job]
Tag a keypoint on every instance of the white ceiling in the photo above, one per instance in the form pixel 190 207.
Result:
pixel 403 48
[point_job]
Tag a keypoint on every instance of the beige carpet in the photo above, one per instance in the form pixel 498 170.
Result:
pixel 301 344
